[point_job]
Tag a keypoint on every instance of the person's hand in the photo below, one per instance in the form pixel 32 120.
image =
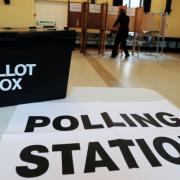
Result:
pixel 113 30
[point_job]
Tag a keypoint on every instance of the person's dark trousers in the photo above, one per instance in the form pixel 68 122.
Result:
pixel 120 38
pixel 116 45
pixel 124 47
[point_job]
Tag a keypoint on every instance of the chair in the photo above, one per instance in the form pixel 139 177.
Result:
pixel 146 40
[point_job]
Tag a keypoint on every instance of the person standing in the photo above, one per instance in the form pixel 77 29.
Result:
pixel 123 22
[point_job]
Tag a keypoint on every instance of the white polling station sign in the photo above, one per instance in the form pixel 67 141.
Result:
pixel 85 141
pixel 75 7
pixel 67 117
pixel 108 154
pixel 94 8
pixel 113 10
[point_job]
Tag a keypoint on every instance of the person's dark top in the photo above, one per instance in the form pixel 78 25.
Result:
pixel 123 21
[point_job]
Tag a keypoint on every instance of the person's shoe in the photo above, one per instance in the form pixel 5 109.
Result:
pixel 113 56
pixel 127 56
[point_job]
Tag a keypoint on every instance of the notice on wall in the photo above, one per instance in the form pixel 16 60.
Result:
pixel 94 8
pixel 85 141
pixel 75 7
pixel 70 117
pixel 113 10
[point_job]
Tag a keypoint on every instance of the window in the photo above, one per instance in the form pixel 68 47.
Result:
pixel 126 2
pixel 132 3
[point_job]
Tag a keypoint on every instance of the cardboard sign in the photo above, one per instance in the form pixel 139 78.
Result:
pixel 71 117
pixel 118 140
pixel 109 154
pixel 94 8
pixel 34 66
pixel 113 10
pixel 75 7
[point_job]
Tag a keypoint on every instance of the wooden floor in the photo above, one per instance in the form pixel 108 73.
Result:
pixel 152 71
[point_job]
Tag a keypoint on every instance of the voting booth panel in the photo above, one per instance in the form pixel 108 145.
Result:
pixel 112 14
pixel 77 19
pixel 94 16
pixel 131 12
pixel 34 65
pixel 151 22
pixel 138 20
pixel 95 22
pixel 75 15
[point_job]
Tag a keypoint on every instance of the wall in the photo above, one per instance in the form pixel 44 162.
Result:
pixel 20 13
pixel 110 2
pixel 157 5
pixel 173 24
pixel 52 11
pixel 173 29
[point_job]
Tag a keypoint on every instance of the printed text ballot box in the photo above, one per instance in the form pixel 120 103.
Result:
pixel 34 66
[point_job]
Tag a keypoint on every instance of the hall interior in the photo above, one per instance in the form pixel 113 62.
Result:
pixel 150 70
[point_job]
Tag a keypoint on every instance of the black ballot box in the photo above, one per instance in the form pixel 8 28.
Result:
pixel 34 66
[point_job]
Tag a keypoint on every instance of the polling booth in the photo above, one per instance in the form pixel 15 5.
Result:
pixel 95 23
pixel 76 20
pixel 34 65
pixel 149 30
